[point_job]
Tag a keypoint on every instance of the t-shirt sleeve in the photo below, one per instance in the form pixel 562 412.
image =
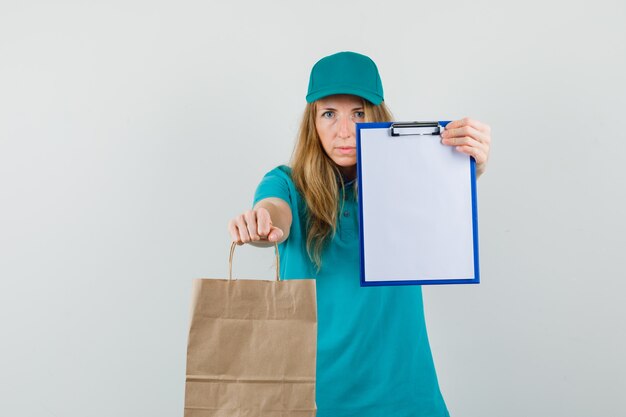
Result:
pixel 274 184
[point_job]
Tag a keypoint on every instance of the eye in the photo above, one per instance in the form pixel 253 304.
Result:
pixel 328 114
pixel 359 115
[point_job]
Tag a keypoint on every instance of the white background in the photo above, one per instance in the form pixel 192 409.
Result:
pixel 132 131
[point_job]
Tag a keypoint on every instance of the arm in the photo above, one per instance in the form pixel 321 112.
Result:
pixel 269 221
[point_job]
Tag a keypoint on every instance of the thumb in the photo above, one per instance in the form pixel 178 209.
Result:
pixel 275 234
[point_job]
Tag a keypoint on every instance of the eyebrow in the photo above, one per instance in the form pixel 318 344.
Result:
pixel 334 109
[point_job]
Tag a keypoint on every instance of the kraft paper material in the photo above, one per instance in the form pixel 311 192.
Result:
pixel 251 349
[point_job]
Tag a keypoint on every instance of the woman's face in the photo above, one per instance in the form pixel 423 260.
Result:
pixel 335 118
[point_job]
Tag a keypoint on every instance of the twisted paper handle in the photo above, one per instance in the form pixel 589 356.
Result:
pixel 232 252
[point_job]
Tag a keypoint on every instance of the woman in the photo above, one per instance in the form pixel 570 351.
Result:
pixel 373 355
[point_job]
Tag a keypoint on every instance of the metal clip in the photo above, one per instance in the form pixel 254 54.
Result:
pixel 415 128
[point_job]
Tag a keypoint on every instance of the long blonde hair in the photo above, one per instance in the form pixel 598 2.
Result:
pixel 318 178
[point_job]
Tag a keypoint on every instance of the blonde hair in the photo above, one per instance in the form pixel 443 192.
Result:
pixel 319 180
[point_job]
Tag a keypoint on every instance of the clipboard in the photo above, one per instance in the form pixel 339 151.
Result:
pixel 418 216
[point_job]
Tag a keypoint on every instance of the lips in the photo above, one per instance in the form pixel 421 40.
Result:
pixel 346 149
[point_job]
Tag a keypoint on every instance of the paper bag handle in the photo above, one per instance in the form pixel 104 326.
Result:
pixel 232 252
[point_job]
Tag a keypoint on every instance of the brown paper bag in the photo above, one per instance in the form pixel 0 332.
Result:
pixel 251 348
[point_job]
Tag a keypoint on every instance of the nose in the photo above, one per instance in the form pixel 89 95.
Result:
pixel 346 127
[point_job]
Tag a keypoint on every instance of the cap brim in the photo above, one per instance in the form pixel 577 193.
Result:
pixel 372 98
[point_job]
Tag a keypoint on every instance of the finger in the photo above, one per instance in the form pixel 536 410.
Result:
pixel 477 153
pixel 465 131
pixel 275 234
pixel 459 131
pixel 263 221
pixel 243 229
pixel 251 222
pixel 234 232
pixel 466 121
pixel 461 141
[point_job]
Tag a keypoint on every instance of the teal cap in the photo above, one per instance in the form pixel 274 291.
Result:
pixel 345 73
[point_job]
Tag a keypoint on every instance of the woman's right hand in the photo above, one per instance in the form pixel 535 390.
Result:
pixel 253 226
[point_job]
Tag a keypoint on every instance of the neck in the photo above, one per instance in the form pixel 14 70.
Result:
pixel 348 173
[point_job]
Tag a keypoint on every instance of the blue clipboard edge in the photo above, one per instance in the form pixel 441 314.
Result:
pixel 475 280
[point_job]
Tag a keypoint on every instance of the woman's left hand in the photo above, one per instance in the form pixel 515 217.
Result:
pixel 470 137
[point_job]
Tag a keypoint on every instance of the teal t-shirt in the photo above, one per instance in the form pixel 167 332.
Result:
pixel 373 355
